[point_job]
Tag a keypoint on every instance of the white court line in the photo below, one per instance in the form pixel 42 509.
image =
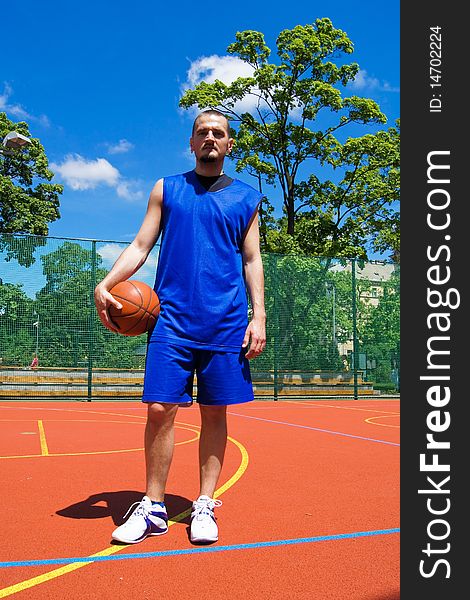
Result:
pixel 340 433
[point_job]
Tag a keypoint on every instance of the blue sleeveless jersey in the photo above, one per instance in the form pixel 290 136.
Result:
pixel 200 279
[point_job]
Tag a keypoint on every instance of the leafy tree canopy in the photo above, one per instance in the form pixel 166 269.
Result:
pixel 296 129
pixel 28 202
pixel 68 262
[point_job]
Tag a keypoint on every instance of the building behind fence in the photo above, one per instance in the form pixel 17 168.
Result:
pixel 332 325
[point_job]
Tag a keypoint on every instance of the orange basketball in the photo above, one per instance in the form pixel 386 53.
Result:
pixel 140 307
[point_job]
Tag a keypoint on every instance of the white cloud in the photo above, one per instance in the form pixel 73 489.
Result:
pixel 188 155
pixel 149 265
pixel 128 190
pixel 16 110
pixel 389 88
pixel 4 96
pixel 82 174
pixel 121 147
pixel 227 69
pixel 224 68
pixel 110 253
pixel 364 82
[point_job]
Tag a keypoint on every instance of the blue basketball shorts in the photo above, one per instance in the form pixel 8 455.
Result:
pixel 222 378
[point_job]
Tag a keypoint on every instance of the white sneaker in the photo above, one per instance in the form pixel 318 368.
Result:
pixel 146 519
pixel 203 523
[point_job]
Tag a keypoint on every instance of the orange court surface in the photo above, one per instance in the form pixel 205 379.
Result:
pixel 310 493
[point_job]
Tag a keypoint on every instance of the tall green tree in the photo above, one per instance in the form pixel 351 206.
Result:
pixel 17 334
pixel 28 202
pixel 71 331
pixel 379 328
pixel 298 127
pixel 305 322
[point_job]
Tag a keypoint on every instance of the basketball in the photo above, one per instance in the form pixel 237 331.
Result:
pixel 140 307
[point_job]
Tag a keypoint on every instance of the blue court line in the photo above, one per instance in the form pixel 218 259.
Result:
pixel 90 559
pixel 358 437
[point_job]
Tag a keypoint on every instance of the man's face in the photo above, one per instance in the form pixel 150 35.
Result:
pixel 210 141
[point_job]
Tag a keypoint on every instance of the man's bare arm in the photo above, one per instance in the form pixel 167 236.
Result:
pixel 254 275
pixel 133 257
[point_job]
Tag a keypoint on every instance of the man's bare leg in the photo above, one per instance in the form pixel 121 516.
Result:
pixel 159 444
pixel 212 445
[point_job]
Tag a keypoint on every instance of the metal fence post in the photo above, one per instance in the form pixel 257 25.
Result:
pixel 354 324
pixel 91 320
pixel 276 328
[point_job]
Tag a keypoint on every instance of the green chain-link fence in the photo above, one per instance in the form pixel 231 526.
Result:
pixel 332 325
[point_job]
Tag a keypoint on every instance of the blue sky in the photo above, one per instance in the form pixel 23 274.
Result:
pixel 99 84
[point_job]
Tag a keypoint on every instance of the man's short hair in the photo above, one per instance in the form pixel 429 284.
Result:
pixel 213 112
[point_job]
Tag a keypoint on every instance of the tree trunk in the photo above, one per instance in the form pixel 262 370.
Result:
pixel 290 215
pixel 262 224
pixel 290 204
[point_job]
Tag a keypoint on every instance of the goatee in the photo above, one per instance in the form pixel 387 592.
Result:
pixel 208 159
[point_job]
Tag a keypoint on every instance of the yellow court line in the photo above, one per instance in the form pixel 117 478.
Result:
pixel 16 456
pixel 193 439
pixel 29 583
pixel 75 410
pixel 384 412
pixel 42 438
pixel 370 419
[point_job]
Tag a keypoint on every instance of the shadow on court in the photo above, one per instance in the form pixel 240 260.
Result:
pixel 116 504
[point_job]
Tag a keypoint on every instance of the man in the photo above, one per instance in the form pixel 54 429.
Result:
pixel 209 255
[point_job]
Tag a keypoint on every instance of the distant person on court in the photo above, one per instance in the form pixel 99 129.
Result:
pixel 209 255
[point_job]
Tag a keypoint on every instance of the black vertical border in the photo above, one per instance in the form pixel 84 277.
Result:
pixel 423 132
